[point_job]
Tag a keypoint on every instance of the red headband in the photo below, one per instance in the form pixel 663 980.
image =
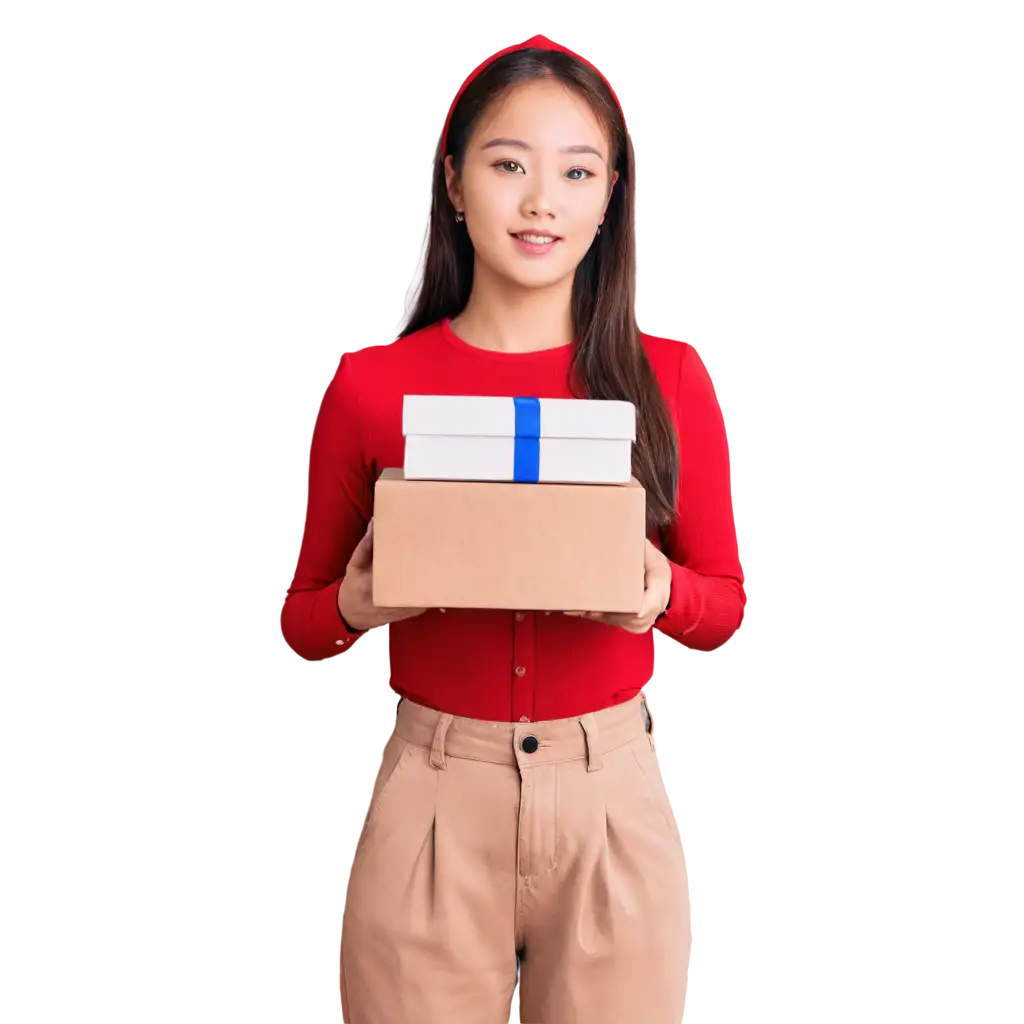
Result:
pixel 541 42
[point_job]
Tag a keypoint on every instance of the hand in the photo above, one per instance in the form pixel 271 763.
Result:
pixel 355 595
pixel 657 590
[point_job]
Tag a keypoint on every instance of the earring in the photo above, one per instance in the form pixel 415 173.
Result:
pixel 599 229
pixel 459 216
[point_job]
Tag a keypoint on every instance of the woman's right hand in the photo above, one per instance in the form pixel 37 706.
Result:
pixel 355 595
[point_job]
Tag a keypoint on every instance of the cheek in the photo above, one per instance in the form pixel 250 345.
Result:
pixel 491 223
pixel 491 241
pixel 589 213
pixel 580 220
pixel 579 206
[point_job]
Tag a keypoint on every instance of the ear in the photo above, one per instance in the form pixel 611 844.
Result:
pixel 451 180
pixel 615 178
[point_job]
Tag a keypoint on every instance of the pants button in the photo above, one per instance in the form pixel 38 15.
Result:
pixel 529 744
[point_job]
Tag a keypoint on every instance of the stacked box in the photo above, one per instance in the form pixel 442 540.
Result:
pixel 509 502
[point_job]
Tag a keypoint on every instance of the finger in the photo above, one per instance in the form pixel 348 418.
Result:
pixel 649 554
pixel 650 604
pixel 403 613
pixel 624 620
pixel 362 557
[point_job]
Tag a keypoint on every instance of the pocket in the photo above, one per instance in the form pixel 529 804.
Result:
pixel 648 720
pixel 650 774
pixel 396 755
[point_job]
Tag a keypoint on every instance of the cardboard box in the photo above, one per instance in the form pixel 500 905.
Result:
pixel 556 547
pixel 527 440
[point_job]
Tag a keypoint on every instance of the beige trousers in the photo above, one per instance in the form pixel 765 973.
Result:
pixel 546 851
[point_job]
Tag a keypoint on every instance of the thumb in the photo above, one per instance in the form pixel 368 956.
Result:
pixel 649 603
pixel 650 555
pixel 363 553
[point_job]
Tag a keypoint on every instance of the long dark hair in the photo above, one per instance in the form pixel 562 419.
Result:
pixel 609 360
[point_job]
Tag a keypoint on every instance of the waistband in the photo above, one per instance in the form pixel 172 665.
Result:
pixel 525 743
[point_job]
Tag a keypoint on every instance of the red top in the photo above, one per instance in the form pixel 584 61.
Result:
pixel 498 664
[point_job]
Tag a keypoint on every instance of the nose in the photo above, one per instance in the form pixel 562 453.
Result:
pixel 537 200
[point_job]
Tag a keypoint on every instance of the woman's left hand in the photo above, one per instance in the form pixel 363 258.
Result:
pixel 657 589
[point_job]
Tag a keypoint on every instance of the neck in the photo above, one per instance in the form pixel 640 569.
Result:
pixel 526 320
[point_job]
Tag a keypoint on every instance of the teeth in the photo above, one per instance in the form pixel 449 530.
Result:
pixel 538 239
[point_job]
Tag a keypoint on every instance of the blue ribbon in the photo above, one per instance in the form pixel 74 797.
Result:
pixel 526 466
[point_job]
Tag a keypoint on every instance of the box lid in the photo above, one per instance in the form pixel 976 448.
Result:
pixel 396 475
pixel 512 416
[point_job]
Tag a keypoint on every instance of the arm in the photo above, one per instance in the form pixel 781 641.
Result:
pixel 707 597
pixel 338 510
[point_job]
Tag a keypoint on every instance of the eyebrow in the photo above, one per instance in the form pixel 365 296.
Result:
pixel 519 144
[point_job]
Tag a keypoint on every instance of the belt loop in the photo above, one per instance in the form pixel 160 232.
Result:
pixel 594 761
pixel 437 751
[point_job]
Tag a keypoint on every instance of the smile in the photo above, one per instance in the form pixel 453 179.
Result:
pixel 535 244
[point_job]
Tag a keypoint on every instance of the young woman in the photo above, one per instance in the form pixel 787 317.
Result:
pixel 519 825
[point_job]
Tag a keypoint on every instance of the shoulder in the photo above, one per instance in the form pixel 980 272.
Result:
pixel 684 379
pixel 366 369
pixel 663 350
pixel 385 357
pixel 673 360
pixel 365 393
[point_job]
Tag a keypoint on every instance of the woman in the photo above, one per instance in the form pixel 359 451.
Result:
pixel 519 825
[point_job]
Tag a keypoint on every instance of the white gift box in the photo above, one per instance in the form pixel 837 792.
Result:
pixel 518 439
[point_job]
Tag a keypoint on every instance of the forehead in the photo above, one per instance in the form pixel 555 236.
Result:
pixel 543 113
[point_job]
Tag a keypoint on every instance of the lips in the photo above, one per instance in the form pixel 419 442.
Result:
pixel 544 237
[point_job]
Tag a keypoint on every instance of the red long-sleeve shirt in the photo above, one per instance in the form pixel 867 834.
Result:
pixel 496 664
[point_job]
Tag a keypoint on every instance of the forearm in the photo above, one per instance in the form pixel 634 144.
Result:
pixel 313 625
pixel 703 611
pixel 339 506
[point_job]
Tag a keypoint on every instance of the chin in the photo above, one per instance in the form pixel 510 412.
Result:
pixel 538 274
pixel 545 280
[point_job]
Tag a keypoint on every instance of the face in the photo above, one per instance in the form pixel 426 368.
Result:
pixel 519 177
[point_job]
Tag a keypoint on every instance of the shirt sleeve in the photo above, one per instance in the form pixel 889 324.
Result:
pixel 338 511
pixel 707 597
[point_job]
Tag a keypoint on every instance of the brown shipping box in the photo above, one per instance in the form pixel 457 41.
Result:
pixel 488 544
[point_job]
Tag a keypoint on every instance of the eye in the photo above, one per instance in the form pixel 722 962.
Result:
pixel 583 169
pixel 501 163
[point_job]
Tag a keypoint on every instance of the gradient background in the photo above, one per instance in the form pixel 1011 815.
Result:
pixel 205 204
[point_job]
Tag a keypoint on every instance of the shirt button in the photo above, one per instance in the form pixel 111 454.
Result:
pixel 441 610
pixel 520 671
pixel 519 616
pixel 339 642
pixel 524 719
